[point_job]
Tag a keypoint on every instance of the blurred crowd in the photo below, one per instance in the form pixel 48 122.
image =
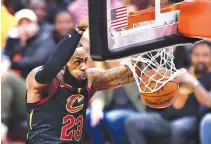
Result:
pixel 30 31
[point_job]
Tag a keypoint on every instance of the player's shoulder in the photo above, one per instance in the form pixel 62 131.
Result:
pixel 93 74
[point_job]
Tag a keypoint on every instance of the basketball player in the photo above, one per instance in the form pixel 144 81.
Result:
pixel 59 91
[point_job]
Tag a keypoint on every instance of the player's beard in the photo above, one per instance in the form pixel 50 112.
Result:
pixel 71 80
pixel 200 69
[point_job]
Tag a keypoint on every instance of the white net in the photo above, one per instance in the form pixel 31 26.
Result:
pixel 152 70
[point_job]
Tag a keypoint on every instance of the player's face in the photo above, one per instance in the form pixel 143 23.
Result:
pixel 201 58
pixel 63 23
pixel 77 64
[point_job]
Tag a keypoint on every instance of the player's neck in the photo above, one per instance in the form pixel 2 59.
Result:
pixel 72 81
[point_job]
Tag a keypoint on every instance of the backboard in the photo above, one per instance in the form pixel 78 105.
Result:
pixel 115 32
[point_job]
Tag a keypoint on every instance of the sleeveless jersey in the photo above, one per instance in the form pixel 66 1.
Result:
pixel 59 117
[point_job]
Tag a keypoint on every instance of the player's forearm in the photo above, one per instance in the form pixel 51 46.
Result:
pixel 65 49
pixel 114 77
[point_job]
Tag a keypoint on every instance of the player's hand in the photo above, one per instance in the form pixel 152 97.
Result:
pixel 138 65
pixel 84 23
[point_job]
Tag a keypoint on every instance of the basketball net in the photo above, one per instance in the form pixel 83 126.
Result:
pixel 160 62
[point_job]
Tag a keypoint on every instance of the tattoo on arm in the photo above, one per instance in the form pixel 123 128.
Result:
pixel 94 71
pixel 113 78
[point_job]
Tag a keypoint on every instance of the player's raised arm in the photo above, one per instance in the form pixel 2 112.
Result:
pixel 41 76
pixel 107 79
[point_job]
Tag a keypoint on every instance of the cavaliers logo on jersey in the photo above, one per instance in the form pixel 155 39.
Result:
pixel 74 103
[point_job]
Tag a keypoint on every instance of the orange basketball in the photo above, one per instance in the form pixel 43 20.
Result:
pixel 164 96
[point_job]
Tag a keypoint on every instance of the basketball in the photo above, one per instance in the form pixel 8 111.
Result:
pixel 165 96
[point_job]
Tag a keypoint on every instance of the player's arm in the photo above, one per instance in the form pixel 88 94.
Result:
pixel 44 75
pixel 108 79
pixel 64 51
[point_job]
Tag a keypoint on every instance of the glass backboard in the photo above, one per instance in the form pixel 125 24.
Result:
pixel 120 29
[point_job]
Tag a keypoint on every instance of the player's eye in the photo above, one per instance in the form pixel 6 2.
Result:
pixel 77 63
